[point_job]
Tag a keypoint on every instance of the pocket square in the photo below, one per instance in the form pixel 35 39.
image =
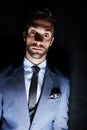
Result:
pixel 55 93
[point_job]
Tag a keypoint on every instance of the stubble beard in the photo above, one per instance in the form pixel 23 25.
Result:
pixel 36 55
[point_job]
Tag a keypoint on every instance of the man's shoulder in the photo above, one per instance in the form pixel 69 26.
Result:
pixel 55 69
pixel 58 73
pixel 5 70
pixel 8 70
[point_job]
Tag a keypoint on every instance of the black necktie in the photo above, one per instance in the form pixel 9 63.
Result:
pixel 33 88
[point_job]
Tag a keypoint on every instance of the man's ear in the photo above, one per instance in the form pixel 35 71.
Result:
pixel 52 40
pixel 24 36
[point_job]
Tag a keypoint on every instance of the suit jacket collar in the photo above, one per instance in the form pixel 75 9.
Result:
pixel 19 85
pixel 46 90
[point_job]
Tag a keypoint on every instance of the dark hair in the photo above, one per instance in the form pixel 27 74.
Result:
pixel 34 14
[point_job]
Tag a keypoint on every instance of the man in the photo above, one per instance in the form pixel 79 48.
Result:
pixel 51 108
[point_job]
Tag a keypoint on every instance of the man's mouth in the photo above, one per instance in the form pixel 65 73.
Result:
pixel 37 48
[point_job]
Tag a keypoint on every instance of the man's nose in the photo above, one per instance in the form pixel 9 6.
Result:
pixel 38 37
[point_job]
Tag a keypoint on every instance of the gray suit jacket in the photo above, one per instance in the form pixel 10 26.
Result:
pixel 52 109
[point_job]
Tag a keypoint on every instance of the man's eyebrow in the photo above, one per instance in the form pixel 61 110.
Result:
pixel 46 28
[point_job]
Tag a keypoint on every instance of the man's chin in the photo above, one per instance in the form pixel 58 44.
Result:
pixel 36 56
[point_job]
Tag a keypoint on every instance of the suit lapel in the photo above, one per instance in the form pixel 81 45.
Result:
pixel 20 99
pixel 46 89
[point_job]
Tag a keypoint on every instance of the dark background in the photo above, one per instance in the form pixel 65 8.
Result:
pixel 69 52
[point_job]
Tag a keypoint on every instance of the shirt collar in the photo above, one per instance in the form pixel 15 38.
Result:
pixel 27 64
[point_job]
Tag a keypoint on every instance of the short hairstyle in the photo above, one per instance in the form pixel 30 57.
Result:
pixel 34 14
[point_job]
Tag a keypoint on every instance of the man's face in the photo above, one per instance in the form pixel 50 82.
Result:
pixel 39 38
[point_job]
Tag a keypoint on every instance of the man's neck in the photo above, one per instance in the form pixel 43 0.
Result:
pixel 36 61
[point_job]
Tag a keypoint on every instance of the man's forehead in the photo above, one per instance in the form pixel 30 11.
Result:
pixel 42 23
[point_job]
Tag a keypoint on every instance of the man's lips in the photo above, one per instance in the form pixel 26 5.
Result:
pixel 37 48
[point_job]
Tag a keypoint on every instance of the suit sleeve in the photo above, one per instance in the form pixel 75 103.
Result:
pixel 0 108
pixel 61 118
pixel 0 100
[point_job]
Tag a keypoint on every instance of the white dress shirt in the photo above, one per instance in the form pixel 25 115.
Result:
pixel 28 75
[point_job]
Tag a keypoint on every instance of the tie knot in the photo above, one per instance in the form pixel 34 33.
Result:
pixel 36 69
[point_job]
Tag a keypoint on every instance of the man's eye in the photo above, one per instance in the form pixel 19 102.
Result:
pixel 46 35
pixel 32 33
